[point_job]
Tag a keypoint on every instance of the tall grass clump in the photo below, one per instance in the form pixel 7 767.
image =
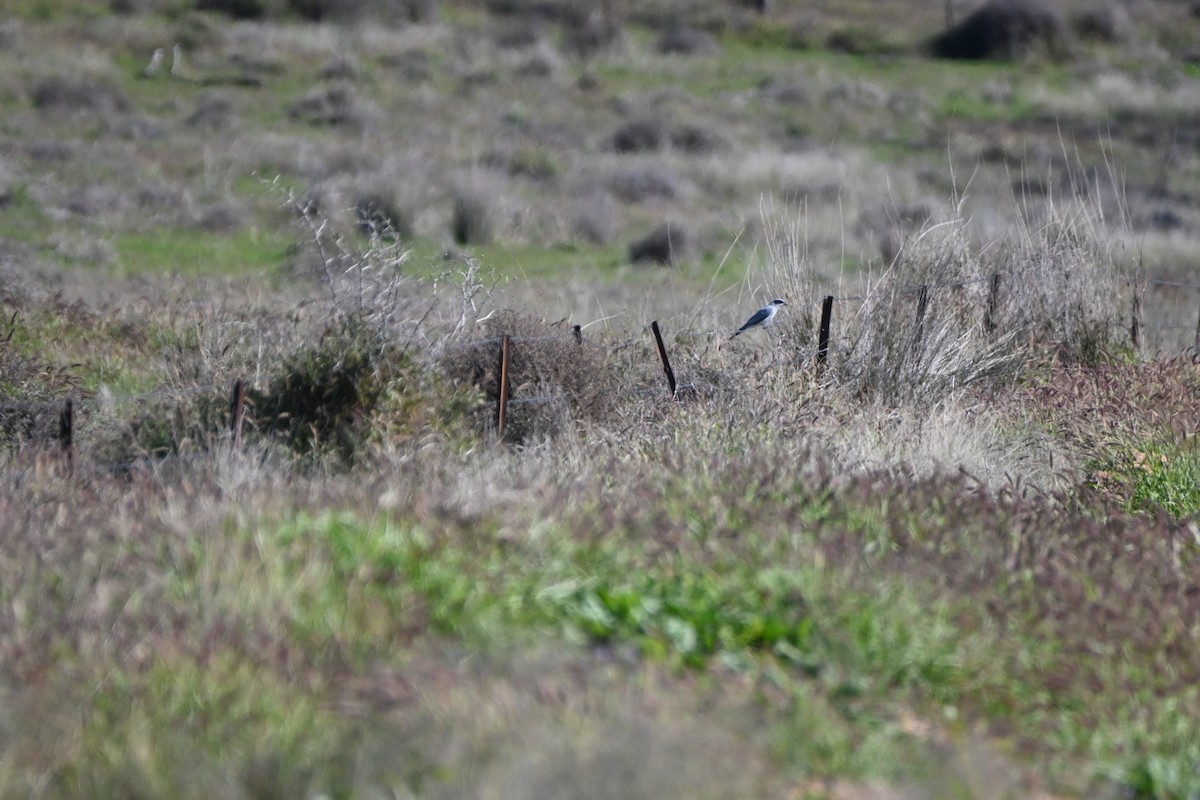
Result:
pixel 949 312
pixel 790 273
pixel 921 332
pixel 1065 284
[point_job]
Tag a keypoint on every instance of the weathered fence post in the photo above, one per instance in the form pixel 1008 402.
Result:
pixel 823 332
pixel 237 410
pixel 993 304
pixel 1196 344
pixel 662 354
pixel 66 431
pixel 502 399
pixel 1135 321
pixel 578 331
pixel 922 304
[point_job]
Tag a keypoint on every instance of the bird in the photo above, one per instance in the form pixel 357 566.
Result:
pixel 177 61
pixel 761 318
pixel 155 64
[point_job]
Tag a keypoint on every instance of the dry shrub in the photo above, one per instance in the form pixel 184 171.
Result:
pixel 336 105
pixel 214 111
pixel 921 331
pixel 591 34
pixel 238 9
pixel 594 217
pixel 561 378
pixel 1107 22
pixel 27 410
pixel 471 220
pixel 222 216
pixel 380 213
pixel 639 136
pixel 1003 29
pixel 649 181
pixel 687 41
pixel 532 161
pixel 691 137
pixel 565 12
pixel 73 94
pixel 1062 289
pixel 350 10
pixel 667 244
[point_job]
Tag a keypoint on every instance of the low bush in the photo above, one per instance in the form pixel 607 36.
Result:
pixel 472 217
pixel 380 213
pixel 335 105
pixel 667 244
pixel 639 136
pixel 1004 29
pixel 554 379
pixel 684 40
pixel 650 181
pixel 75 94
pixel 354 387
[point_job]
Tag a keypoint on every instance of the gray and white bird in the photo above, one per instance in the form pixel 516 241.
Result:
pixel 761 318
pixel 155 64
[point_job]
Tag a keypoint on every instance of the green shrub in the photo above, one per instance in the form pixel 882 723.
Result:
pixel 355 386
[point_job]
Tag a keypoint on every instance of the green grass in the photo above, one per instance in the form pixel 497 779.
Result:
pixel 191 252
pixel 360 583
pixel 1168 481
pixel 757 608
pixel 23 219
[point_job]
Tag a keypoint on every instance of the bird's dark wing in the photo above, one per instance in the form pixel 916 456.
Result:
pixel 758 318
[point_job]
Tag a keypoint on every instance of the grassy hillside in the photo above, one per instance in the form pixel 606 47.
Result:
pixel 953 556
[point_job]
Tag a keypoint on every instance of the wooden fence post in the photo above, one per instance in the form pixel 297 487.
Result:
pixel 993 304
pixel 823 332
pixel 1196 344
pixel 66 431
pixel 1135 321
pixel 237 411
pixel 662 354
pixel 502 400
pixel 578 331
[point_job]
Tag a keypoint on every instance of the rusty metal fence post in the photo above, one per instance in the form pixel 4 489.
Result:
pixel 823 332
pixel 662 354
pixel 502 394
pixel 237 411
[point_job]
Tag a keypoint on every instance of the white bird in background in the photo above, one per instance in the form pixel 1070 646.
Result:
pixel 177 61
pixel 155 64
pixel 761 318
